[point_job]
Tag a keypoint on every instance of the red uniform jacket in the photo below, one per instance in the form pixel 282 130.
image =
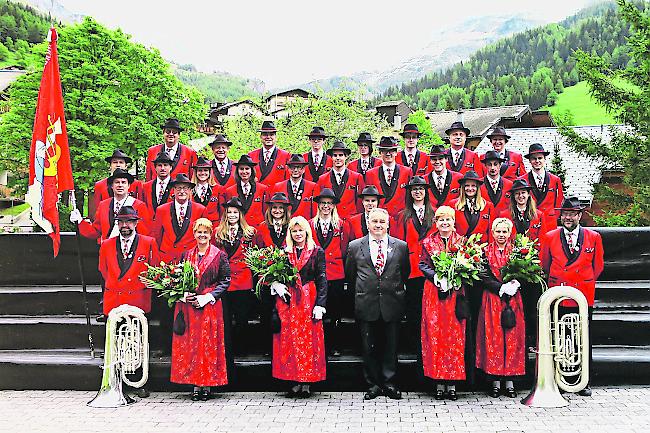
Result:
pixel 335 246
pixel 513 167
pixel 534 229
pixel 348 192
pixel 500 198
pixel 276 171
pixel 303 203
pixel 580 269
pixel 356 165
pixel 468 161
pixel 422 163
pixel 413 233
pixel 358 227
pixel 254 204
pixel 104 221
pixel 102 191
pixel 228 178
pixel 481 222
pixel 210 200
pixel 173 239
pixel 122 285
pixel 184 159
pixel 241 277
pixel 548 198
pixel 269 237
pixel 450 192
pixel 395 193
pixel 150 198
pixel 323 168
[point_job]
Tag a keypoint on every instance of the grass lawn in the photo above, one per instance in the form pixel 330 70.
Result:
pixel 14 211
pixel 585 110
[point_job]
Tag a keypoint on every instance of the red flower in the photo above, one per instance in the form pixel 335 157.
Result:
pixel 453 249
pixel 525 251
pixel 467 256
pixel 269 263
pixel 477 259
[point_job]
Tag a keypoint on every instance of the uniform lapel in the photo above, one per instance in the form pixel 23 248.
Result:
pixel 505 164
pixel 177 157
pixel 125 265
pixel 389 190
pixel 266 169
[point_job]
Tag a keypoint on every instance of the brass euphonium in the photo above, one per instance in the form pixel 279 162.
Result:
pixel 562 348
pixel 126 350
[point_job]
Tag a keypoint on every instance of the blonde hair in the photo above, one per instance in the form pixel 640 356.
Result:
pixel 336 221
pixel 446 211
pixel 462 198
pixel 212 181
pixel 303 224
pixel 221 233
pixel 202 222
pixel 502 222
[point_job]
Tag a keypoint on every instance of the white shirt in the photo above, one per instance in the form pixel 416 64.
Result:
pixel 416 207
pixel 128 240
pixel 320 156
pixel 456 154
pixel 541 174
pixel 408 152
pixel 387 167
pixel 171 151
pixel 443 177
pixel 573 234
pixel 180 207
pixel 221 165
pixel 295 186
pixel 244 186
pixel 325 224
pixel 338 175
pixel 161 186
pixel 269 151
pixel 374 248
pixel 491 181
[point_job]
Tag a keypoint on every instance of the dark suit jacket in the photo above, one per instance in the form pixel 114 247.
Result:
pixel 378 296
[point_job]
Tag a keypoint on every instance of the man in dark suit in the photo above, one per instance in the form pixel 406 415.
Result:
pixel 377 268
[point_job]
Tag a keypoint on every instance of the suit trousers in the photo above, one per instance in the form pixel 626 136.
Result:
pixel 335 309
pixel 379 340
pixel 567 310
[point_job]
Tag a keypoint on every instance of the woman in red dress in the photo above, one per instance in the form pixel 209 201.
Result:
pixel 443 332
pixel 198 351
pixel 299 347
pixel 500 344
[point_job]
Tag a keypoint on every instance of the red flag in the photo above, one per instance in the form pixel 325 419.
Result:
pixel 50 171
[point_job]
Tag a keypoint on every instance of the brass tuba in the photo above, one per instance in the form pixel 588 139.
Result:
pixel 126 350
pixel 562 348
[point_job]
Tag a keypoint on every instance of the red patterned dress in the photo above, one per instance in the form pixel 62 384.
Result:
pixel 299 347
pixel 491 355
pixel 199 355
pixel 443 335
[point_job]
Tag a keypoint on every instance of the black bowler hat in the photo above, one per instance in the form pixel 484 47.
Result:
pixel 326 193
pixel 519 184
pixel 491 155
pixel 499 131
pixel 172 123
pixel 471 175
pixel 317 131
pixel 202 162
pixel 279 198
pixel 268 126
pixel 340 146
pixel 371 191
pixel 410 128
pixel 571 203
pixel 127 213
pixel 117 153
pixel 120 174
pixel 181 178
pixel 296 159
pixel 163 157
pixel 364 137
pixel 387 143
pixel 220 139
pixel 534 149
pixel 457 125
pixel 245 159
pixel 438 150
pixel 417 181
pixel 233 202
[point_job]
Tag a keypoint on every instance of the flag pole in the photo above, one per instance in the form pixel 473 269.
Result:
pixel 73 203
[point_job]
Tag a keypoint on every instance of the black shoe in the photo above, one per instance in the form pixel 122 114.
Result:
pixel 195 396
pixel 335 352
pixel 451 395
pixel 305 393
pixel 392 392
pixel 439 395
pixel 372 393
pixel 585 392
pixel 101 318
pixel 142 392
pixel 293 393
pixel 494 392
pixel 510 393
pixel 205 395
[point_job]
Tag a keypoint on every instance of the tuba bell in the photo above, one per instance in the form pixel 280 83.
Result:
pixel 562 348
pixel 126 350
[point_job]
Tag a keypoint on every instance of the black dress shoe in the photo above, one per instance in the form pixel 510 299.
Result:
pixel 142 392
pixel 439 395
pixel 494 392
pixel 372 393
pixel 585 392
pixel 451 395
pixel 305 393
pixel 510 393
pixel 205 395
pixel 392 392
pixel 195 396
pixel 293 394
pixel 101 318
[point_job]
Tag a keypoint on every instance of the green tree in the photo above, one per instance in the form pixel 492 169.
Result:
pixel 429 136
pixel 626 95
pixel 116 94
pixel 4 52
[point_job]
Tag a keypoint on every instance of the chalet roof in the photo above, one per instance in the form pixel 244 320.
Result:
pixel 226 106
pixel 582 172
pixel 391 103
pixel 292 91
pixel 8 76
pixel 479 120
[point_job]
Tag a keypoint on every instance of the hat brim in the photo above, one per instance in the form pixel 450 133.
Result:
pixel 378 195
pixel 127 218
pixel 520 188
pixel 317 135
pixel 448 131
pixel 490 136
pixel 202 166
pixel 267 130
pixel 544 152
pixel 462 181
pixel 128 177
pixel 485 160
pixel 419 134
pixel 577 209
pixel 227 205
pixel 318 199
pixel 366 142
pixel 431 155
pixel 331 151
pixel 174 183
pixel 178 128
pixel 126 159
pixel 380 148
pixel 288 203
pixel 214 143
pixel 250 164
pixel 425 185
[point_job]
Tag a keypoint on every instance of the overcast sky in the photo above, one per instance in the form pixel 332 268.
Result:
pixel 286 42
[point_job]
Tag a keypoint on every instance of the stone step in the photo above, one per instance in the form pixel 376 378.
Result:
pixel 621 327
pixel 46 300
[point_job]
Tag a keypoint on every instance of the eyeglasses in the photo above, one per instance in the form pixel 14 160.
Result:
pixel 182 188
pixel 171 131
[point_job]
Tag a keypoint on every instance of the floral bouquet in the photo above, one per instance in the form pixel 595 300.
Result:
pixel 270 264
pixel 171 280
pixel 523 263
pixel 461 265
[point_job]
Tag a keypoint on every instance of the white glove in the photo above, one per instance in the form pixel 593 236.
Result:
pixel 204 299
pixel 75 216
pixel 441 282
pixel 184 298
pixel 509 288
pixel 280 289
pixel 318 312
